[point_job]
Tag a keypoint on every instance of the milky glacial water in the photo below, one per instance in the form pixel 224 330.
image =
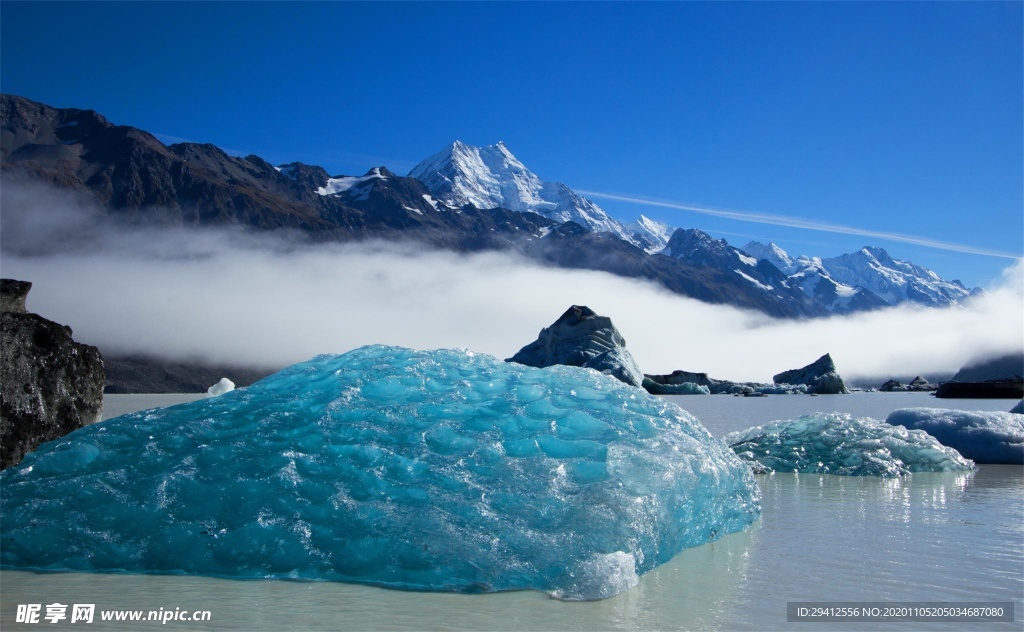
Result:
pixel 925 537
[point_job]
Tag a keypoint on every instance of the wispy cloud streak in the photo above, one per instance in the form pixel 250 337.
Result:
pixel 807 224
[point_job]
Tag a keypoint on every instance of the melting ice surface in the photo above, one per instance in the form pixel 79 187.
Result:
pixel 837 443
pixel 434 470
pixel 986 437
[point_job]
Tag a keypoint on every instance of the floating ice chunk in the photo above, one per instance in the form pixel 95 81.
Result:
pixel 985 437
pixel 837 443
pixel 1019 408
pixel 223 386
pixel 433 470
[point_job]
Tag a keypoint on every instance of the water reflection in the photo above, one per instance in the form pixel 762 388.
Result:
pixel 925 537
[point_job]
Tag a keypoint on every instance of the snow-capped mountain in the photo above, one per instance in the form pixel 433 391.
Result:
pixel 893 280
pixel 771 253
pixel 464 199
pixel 491 177
pixel 650 235
pixel 866 279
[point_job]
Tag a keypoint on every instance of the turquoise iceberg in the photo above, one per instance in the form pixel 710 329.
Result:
pixel 836 443
pixel 422 470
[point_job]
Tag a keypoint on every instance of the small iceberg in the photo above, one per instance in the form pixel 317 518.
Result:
pixel 223 386
pixel 836 443
pixel 985 437
pixel 421 470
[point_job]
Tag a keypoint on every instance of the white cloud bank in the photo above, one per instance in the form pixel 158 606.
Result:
pixel 259 299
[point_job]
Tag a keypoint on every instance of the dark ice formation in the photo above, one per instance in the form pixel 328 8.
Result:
pixel 820 377
pixel 582 338
pixel 917 384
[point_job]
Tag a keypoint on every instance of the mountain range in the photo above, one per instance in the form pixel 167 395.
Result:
pixel 463 198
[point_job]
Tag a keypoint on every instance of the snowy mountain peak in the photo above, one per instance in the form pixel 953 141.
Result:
pixel 492 177
pixel 775 255
pixel 699 248
pixel 894 280
pixel 650 235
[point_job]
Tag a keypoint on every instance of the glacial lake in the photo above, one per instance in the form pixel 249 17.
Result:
pixel 935 537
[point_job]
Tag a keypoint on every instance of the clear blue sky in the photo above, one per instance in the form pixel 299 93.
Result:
pixel 886 117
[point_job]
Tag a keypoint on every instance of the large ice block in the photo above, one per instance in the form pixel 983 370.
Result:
pixel 424 470
pixel 985 437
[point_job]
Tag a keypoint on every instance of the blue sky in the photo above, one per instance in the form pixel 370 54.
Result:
pixel 883 118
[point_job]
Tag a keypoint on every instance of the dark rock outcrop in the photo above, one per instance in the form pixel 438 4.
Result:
pixel 989 389
pixel 582 338
pixel 995 378
pixel 686 383
pixel 821 377
pixel 683 383
pixel 917 384
pixel 49 384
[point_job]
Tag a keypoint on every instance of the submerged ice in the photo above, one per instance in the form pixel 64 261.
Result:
pixel 433 470
pixel 985 437
pixel 836 443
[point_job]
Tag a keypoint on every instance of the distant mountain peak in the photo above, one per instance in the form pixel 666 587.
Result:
pixel 772 253
pixel 649 234
pixel 864 279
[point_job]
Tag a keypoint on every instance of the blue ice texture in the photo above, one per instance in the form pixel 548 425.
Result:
pixel 838 443
pixel 985 437
pixel 423 470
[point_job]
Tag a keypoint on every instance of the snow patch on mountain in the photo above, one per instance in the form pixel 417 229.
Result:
pixel 766 288
pixel 357 186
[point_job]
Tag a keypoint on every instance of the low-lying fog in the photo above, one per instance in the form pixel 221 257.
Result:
pixel 271 300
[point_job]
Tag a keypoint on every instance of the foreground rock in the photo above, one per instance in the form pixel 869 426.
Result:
pixel 420 470
pixel 1001 377
pixel 582 338
pixel 820 377
pixel 985 437
pixel 840 444
pixel 49 384
pixel 918 384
